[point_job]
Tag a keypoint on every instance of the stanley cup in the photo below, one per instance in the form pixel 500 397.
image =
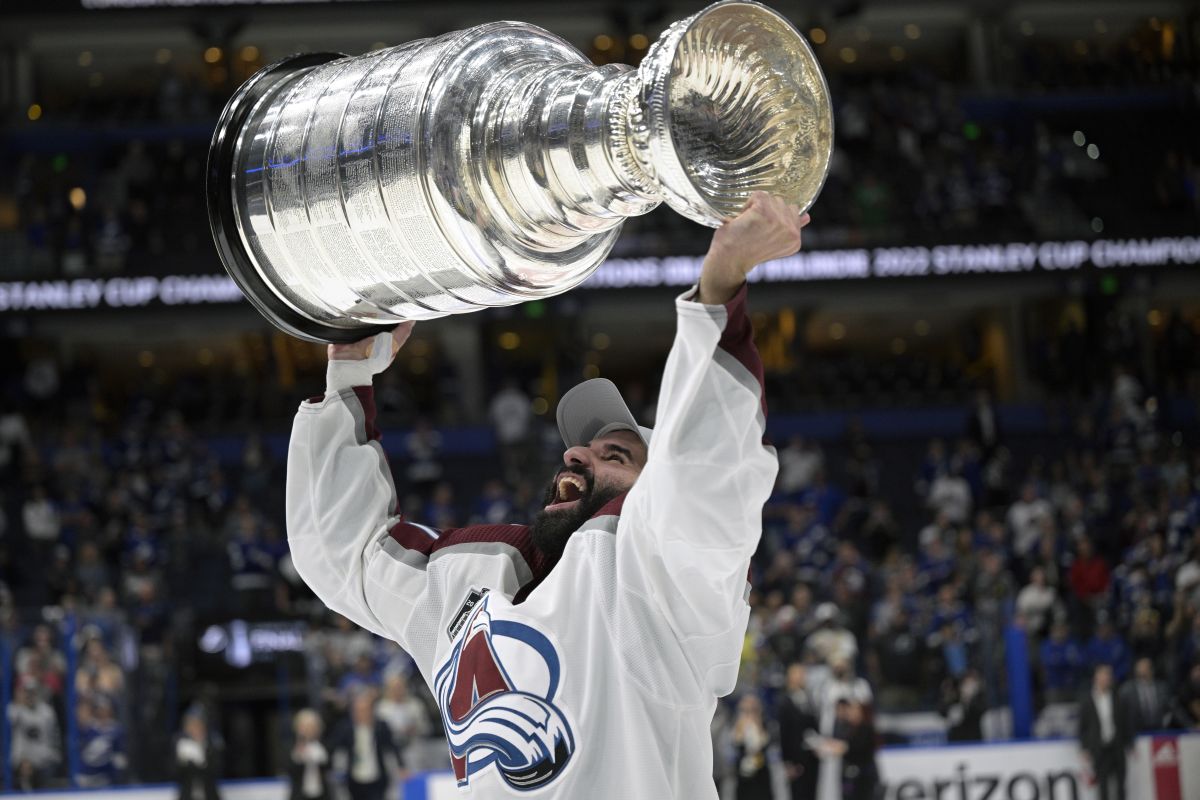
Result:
pixel 495 165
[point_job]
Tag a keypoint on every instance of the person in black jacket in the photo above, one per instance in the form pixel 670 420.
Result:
pixel 963 706
pixel 1144 701
pixel 308 762
pixel 751 740
pixel 197 761
pixel 854 740
pixel 798 726
pixel 1187 710
pixel 1104 733
pixel 363 744
pixel 983 425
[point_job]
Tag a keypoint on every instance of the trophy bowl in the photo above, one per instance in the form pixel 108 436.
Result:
pixel 736 102
pixel 495 165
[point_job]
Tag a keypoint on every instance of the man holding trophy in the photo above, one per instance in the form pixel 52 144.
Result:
pixel 585 651
pixel 582 655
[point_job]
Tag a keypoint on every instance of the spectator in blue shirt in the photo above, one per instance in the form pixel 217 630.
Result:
pixel 936 566
pixel 1062 660
pixel 254 563
pixel 363 676
pixel 935 462
pixel 102 758
pixel 826 497
pixel 1107 647
pixel 850 567
pixel 951 611
pixel 494 506
pixel 141 540
pixel 789 524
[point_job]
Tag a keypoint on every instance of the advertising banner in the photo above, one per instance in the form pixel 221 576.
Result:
pixel 1164 765
pixel 1024 771
pixel 675 271
pixel 1161 767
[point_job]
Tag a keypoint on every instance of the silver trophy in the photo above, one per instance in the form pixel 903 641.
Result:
pixel 495 165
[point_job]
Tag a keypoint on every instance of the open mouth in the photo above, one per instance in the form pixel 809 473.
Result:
pixel 570 490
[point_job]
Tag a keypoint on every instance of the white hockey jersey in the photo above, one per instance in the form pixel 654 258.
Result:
pixel 596 677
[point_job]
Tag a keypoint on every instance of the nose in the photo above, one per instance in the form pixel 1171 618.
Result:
pixel 577 455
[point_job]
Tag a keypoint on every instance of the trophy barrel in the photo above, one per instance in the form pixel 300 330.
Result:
pixel 222 211
pixel 438 177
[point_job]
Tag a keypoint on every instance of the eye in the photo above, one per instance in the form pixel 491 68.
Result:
pixel 614 457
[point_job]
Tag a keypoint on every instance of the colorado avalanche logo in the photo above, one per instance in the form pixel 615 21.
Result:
pixel 489 719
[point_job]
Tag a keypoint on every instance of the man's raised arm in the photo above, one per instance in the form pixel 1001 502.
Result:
pixel 691 523
pixel 340 497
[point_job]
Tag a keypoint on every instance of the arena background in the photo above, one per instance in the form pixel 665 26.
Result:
pixel 982 373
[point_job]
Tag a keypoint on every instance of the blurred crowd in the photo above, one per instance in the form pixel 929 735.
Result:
pixel 873 597
pixel 919 157
pixel 1090 547
pixel 99 208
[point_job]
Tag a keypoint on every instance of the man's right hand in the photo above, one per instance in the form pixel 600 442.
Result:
pixel 766 228
pixel 364 348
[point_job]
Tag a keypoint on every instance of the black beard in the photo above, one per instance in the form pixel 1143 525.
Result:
pixel 550 530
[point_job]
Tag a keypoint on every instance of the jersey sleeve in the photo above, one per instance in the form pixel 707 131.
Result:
pixel 692 521
pixel 358 554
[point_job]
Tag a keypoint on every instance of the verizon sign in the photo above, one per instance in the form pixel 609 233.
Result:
pixel 1025 771
pixel 1163 767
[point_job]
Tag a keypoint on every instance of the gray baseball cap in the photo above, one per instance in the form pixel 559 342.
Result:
pixel 594 408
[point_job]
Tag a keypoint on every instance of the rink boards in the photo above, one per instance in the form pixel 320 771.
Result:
pixel 1163 767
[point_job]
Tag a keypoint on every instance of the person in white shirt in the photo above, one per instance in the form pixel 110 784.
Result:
pixel 950 495
pixel 363 750
pixel 404 714
pixel 799 464
pixel 750 743
pixel 197 762
pixel 42 523
pixel 511 415
pixel 1035 602
pixel 1025 517
pixel 309 763
pixel 34 730
pixel 1104 734
pixel 842 684
pixel 14 439
pixel 582 655
pixel 831 641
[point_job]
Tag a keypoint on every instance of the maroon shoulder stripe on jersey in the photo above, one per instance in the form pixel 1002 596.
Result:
pixel 738 341
pixel 413 537
pixel 366 398
pixel 429 541
pixel 612 507
pixel 515 535
pixel 371 433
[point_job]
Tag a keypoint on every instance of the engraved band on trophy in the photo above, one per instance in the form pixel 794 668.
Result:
pixel 495 165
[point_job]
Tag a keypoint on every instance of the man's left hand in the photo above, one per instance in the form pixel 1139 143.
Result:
pixel 768 228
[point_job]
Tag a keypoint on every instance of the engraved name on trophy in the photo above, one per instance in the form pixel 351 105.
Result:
pixel 495 165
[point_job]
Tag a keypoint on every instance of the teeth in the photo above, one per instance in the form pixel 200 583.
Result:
pixel 573 481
